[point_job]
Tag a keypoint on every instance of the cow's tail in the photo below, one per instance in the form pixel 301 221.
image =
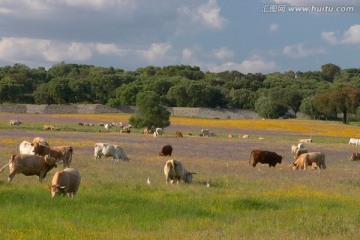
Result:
pixel 11 160
pixel 251 155
pixel 70 156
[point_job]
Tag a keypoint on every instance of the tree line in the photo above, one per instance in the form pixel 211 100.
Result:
pixel 317 94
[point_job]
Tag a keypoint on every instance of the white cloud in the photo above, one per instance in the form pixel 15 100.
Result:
pixel 273 27
pixel 210 15
pixel 155 51
pixel 187 54
pixel 223 53
pixel 23 49
pixel 351 36
pixel 246 66
pixel 110 49
pixel 203 16
pixel 300 51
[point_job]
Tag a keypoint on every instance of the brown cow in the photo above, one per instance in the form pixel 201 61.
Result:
pixel 30 165
pixel 58 152
pixel 313 159
pixel 179 134
pixel 355 156
pixel 48 127
pixel 166 150
pixel 66 182
pixel 264 157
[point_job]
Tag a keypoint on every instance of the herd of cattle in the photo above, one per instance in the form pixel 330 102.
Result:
pixel 38 158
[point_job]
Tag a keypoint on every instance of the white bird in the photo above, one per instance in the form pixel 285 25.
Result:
pixel 148 180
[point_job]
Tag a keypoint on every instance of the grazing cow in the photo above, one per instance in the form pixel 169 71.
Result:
pixel 159 132
pixel 15 122
pixel 354 141
pixel 63 153
pixel 175 171
pixel 204 133
pixel 166 150
pixel 30 165
pixel 125 130
pixel 355 156
pixel 314 159
pixel 65 182
pixel 109 150
pixel 264 157
pixel 48 127
pixel 178 134
pixel 26 147
pixel 306 140
pixel 245 136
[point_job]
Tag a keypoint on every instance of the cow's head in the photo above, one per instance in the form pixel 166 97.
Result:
pixel 50 160
pixel 188 177
pixel 56 190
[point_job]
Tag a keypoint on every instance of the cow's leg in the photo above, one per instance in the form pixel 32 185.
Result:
pixel 11 176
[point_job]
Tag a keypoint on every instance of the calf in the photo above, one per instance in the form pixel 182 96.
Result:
pixel 58 152
pixel 30 165
pixel 166 150
pixel 264 157
pixel 65 182
pixel 175 171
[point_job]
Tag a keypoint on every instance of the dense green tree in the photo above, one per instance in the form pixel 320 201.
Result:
pixel 241 98
pixel 177 95
pixel 307 108
pixel 41 95
pixel 266 107
pixel 126 95
pixel 59 91
pixel 343 100
pixel 329 71
pixel 149 111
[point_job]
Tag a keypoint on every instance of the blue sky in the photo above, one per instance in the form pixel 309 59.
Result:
pixel 216 35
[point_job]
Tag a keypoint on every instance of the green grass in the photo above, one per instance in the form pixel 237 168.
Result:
pixel 114 201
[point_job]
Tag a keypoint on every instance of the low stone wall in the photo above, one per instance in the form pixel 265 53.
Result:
pixel 98 108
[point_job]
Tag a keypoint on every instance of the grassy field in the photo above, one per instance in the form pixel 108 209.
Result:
pixel 115 202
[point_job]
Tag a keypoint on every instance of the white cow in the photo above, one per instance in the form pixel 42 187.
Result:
pixel 109 150
pixel 26 147
pixel 205 133
pixel 159 132
pixel 15 122
pixel 174 171
pixel 354 141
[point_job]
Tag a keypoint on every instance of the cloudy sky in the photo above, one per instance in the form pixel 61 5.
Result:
pixel 216 35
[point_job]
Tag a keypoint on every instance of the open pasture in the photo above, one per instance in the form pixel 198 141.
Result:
pixel 115 202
